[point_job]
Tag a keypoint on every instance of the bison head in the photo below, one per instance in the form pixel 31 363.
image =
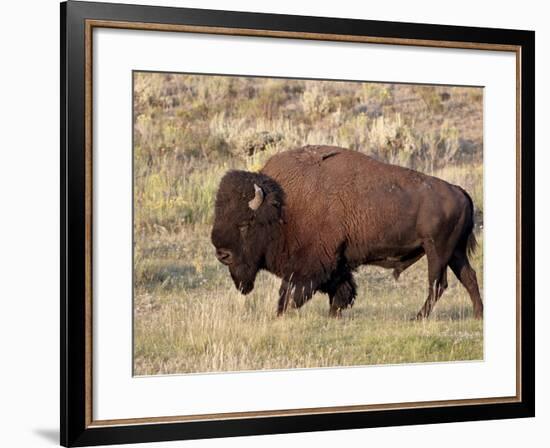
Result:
pixel 247 219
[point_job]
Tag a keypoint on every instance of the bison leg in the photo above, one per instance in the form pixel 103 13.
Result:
pixel 437 278
pixel 467 276
pixel 294 295
pixel 443 284
pixel 283 298
pixel 342 296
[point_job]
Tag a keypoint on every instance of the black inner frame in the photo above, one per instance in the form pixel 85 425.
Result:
pixel 72 343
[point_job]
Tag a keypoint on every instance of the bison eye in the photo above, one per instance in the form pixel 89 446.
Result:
pixel 243 228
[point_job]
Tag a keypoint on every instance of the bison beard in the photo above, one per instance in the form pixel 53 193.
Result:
pixel 312 215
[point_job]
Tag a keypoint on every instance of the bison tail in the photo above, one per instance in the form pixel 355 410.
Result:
pixel 471 244
pixel 468 237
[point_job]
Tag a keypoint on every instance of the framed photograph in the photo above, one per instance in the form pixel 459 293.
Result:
pixel 278 223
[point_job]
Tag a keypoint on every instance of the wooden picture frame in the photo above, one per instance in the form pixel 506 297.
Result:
pixel 78 22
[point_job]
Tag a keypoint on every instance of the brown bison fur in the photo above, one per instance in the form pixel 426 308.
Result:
pixel 312 215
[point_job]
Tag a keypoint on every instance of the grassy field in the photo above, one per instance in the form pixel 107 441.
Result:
pixel 189 130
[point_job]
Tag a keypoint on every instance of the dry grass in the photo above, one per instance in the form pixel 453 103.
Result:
pixel 190 318
pixel 189 130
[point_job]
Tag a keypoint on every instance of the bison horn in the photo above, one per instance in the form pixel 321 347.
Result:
pixel 258 198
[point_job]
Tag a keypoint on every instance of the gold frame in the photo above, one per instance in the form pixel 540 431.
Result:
pixel 89 26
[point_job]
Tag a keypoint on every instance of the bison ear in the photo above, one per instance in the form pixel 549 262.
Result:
pixel 255 203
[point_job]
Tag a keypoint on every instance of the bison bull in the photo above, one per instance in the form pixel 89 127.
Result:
pixel 312 215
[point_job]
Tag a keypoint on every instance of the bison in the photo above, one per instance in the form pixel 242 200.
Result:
pixel 312 215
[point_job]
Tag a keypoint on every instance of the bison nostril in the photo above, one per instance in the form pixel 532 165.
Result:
pixel 224 256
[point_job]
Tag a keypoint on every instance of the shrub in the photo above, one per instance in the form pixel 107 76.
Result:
pixel 190 129
pixel 315 101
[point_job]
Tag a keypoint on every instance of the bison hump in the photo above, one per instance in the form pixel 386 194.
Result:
pixel 316 154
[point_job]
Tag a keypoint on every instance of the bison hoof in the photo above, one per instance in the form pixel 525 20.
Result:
pixel 335 312
pixel 396 274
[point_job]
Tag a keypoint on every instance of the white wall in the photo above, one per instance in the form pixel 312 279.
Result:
pixel 29 221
